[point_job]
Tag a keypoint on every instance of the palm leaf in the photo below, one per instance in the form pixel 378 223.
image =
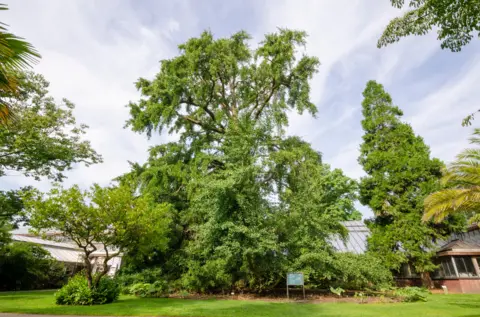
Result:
pixel 16 54
pixel 462 179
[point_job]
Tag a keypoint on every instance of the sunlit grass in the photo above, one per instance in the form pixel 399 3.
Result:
pixel 42 302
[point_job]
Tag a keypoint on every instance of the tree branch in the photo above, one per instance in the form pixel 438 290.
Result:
pixel 267 100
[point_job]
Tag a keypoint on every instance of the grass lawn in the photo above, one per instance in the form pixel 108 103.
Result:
pixel 42 302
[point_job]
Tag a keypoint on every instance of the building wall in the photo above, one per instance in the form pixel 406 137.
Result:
pixel 459 286
pixel 464 285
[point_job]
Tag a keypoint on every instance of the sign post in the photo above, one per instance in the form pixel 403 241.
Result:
pixel 295 279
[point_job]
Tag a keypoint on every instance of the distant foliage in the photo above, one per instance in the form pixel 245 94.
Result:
pixel 29 266
pixel 77 292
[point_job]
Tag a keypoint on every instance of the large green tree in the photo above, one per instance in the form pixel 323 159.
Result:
pixel 457 22
pixel 400 174
pixel 250 203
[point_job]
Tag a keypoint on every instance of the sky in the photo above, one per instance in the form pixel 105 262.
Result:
pixel 94 51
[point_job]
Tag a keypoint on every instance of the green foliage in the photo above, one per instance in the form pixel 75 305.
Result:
pixel 462 181
pixel 78 292
pixel 400 174
pixel 250 203
pixel 457 22
pixel 360 272
pixel 28 266
pixel 45 139
pixel 112 216
pixel 155 289
pixel 412 294
pixel 337 291
pixel 15 55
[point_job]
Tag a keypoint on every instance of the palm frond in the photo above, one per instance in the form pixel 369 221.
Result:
pixel 16 54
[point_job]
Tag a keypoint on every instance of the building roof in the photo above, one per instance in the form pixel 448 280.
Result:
pixel 459 245
pixel 63 252
pixel 356 241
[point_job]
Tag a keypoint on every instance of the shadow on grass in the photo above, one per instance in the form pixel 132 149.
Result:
pixel 19 297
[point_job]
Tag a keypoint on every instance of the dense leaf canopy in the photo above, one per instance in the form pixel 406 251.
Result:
pixel 45 139
pixel 250 202
pixel 457 22
pixel 112 217
pixel 400 174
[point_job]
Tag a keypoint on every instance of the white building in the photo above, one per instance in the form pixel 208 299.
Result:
pixel 70 254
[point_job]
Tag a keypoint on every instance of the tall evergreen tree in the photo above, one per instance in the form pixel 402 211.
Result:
pixel 400 174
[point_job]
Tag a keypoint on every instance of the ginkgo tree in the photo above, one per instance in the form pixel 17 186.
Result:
pixel 244 192
pixel 112 217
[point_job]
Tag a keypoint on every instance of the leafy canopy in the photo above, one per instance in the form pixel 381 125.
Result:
pixel 457 22
pixel 250 203
pixel 45 139
pixel 112 217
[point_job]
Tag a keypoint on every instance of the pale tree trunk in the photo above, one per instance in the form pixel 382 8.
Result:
pixel 88 270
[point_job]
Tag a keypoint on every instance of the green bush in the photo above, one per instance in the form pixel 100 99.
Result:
pixel 412 294
pixel 29 266
pixel 77 292
pixel 360 272
pixel 147 276
pixel 156 289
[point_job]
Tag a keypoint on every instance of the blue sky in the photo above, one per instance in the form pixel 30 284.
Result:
pixel 93 51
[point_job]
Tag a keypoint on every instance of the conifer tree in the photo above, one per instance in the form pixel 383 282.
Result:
pixel 400 174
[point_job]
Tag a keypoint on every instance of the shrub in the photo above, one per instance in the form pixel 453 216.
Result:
pixel 29 266
pixel 360 272
pixel 77 292
pixel 126 280
pixel 156 289
pixel 412 294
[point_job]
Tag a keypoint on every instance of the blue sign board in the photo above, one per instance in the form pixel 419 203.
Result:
pixel 295 279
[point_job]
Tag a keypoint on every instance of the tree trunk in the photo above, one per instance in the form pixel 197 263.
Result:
pixel 88 272
pixel 426 280
pixel 101 274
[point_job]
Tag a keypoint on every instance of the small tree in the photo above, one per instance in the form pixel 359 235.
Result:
pixel 111 216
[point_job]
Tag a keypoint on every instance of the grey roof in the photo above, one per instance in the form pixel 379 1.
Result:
pixel 464 240
pixel 356 241
pixel 63 252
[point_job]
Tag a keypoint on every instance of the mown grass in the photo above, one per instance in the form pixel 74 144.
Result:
pixel 42 302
